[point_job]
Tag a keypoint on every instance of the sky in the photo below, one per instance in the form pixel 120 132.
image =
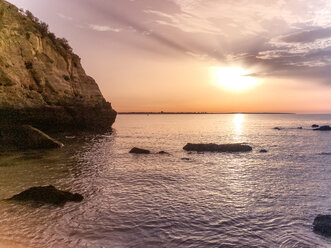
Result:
pixel 200 55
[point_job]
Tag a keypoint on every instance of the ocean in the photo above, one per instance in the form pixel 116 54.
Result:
pixel 207 200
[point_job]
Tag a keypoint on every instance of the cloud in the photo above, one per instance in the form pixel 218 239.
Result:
pixel 101 28
pixel 308 36
pixel 187 22
pixel 65 17
pixel 275 38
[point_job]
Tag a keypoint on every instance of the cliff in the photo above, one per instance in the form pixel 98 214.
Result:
pixel 42 82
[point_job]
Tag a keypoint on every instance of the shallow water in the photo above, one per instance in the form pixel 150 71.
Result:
pixel 212 200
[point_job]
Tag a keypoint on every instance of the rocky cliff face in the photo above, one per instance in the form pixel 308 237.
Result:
pixel 42 82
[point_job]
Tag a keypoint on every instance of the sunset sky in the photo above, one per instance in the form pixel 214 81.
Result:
pixel 200 55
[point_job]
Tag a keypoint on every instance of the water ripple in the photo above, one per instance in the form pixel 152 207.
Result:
pixel 211 200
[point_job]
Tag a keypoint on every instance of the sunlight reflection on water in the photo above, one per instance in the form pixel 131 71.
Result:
pixel 238 121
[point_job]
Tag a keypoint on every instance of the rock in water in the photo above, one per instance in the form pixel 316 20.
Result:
pixel 139 151
pixel 314 125
pixel 48 194
pixel 163 153
pixel 263 151
pixel 323 128
pixel 217 148
pixel 27 137
pixel 42 82
pixel 322 224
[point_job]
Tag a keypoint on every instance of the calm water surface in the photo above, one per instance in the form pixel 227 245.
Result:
pixel 212 200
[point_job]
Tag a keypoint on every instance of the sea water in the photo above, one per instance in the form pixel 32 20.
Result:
pixel 207 200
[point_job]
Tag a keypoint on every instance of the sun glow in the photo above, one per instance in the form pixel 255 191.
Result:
pixel 233 78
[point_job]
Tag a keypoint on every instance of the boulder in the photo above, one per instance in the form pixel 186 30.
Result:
pixel 277 128
pixel 323 128
pixel 314 126
pixel 185 159
pixel 26 137
pixel 322 225
pixel 263 151
pixel 48 195
pixel 139 151
pixel 217 148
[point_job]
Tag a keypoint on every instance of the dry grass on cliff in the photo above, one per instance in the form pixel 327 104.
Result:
pixel 10 14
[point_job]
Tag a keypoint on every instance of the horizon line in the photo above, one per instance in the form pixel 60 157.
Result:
pixel 184 112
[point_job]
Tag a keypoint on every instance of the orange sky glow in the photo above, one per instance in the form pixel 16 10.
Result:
pixel 200 56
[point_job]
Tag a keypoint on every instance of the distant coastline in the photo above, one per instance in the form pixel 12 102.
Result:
pixel 202 113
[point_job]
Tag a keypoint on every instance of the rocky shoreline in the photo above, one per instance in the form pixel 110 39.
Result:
pixel 59 118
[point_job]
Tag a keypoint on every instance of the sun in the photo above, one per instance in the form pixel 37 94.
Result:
pixel 233 78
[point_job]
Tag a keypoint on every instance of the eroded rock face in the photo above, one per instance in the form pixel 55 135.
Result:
pixel 48 194
pixel 217 148
pixel 42 82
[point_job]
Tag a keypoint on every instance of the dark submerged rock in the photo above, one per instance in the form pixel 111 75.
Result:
pixel 48 194
pixel 185 159
pixel 322 225
pixel 163 153
pixel 217 148
pixel 277 128
pixel 299 128
pixel 323 128
pixel 26 137
pixel 263 151
pixel 314 126
pixel 139 151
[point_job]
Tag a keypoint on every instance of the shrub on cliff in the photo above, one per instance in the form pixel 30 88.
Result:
pixel 43 28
